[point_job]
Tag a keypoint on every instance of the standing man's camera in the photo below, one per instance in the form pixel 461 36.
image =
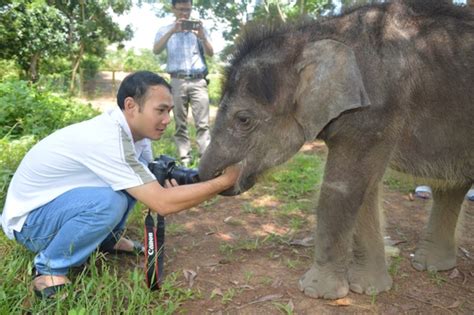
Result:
pixel 164 167
pixel 190 25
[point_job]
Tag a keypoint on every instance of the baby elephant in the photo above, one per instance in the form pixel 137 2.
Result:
pixel 387 85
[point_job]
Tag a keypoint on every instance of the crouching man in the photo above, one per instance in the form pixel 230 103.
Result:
pixel 74 189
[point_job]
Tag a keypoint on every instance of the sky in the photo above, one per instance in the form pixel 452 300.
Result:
pixel 145 24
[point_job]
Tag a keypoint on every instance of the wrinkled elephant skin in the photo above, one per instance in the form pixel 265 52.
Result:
pixel 387 85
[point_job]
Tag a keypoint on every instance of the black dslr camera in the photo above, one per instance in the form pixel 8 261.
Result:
pixel 164 167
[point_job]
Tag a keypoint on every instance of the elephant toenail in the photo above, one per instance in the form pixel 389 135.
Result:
pixel 356 288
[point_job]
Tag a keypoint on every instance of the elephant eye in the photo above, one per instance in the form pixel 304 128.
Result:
pixel 243 120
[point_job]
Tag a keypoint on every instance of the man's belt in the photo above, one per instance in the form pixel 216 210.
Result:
pixel 185 76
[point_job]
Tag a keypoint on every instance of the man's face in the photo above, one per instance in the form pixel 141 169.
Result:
pixel 151 119
pixel 182 10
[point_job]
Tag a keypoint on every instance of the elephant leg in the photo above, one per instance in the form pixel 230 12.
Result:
pixel 348 175
pixel 437 249
pixel 368 271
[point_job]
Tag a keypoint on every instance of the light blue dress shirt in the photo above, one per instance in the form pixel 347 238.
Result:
pixel 183 52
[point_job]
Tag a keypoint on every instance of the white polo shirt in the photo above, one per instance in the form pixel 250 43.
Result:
pixel 99 152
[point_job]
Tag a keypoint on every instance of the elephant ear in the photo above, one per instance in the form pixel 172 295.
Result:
pixel 329 84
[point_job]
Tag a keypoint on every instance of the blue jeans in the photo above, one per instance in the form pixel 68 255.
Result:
pixel 68 229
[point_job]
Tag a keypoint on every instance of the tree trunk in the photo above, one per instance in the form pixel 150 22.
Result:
pixel 301 4
pixel 33 71
pixel 76 64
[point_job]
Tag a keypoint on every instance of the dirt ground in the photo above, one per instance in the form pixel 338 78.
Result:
pixel 260 279
pixel 241 262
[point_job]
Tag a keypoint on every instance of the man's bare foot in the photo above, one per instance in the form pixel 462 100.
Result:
pixel 125 245
pixel 43 281
pixel 47 286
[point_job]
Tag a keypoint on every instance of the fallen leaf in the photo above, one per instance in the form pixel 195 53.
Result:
pixel 392 251
pixel 291 306
pixel 454 273
pixel 224 261
pixel 341 302
pixel 456 304
pixel 224 236
pixel 271 297
pixel 390 242
pixel 216 291
pixel 227 220
pixel 465 252
pixel 190 275
pixel 306 242
pixel 277 283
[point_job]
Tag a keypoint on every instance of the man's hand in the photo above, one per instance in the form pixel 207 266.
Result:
pixel 172 183
pixel 231 174
pixel 200 32
pixel 177 26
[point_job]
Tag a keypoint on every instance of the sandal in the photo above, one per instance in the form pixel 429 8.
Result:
pixel 48 292
pixel 138 249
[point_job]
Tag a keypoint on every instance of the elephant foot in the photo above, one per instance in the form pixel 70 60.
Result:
pixel 367 280
pixel 320 283
pixel 434 258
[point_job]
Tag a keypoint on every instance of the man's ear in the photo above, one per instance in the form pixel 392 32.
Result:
pixel 129 105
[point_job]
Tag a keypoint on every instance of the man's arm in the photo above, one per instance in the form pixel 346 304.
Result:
pixel 207 47
pixel 160 45
pixel 201 35
pixel 174 199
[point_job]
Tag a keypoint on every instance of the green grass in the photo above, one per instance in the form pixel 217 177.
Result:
pixel 106 286
pixel 102 287
pixel 399 182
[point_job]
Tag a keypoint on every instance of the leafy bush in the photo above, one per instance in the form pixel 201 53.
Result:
pixel 11 153
pixel 10 70
pixel 27 115
pixel 90 66
pixel 214 88
pixel 26 111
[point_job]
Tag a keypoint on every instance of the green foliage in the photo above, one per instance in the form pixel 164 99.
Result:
pixel 26 111
pixel 27 115
pixel 214 88
pixel 90 66
pixel 11 153
pixel 30 32
pixel 130 60
pixel 10 70
pixel 285 11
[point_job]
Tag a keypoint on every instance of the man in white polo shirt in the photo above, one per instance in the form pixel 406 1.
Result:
pixel 73 190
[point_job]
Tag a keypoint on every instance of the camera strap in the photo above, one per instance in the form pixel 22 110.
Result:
pixel 154 250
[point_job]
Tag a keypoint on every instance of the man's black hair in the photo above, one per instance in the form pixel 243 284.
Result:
pixel 136 85
pixel 173 2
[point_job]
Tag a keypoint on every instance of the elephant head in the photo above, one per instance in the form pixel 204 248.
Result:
pixel 274 101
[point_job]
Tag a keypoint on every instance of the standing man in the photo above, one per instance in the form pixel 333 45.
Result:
pixel 186 44
pixel 73 190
